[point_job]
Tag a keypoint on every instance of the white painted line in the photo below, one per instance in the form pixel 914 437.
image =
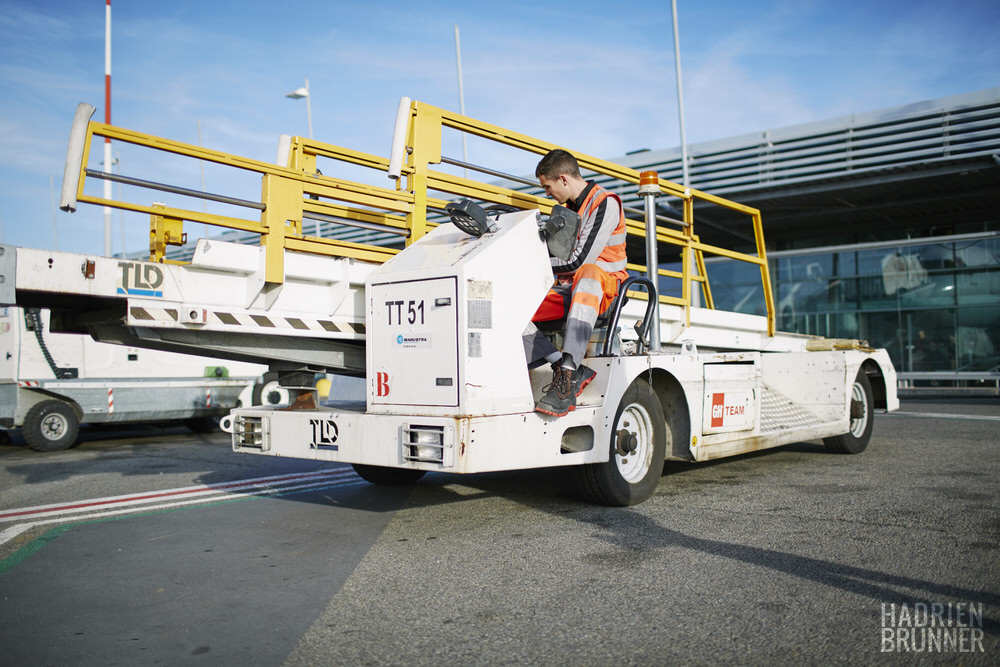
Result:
pixel 150 496
pixel 257 490
pixel 942 415
pixel 14 531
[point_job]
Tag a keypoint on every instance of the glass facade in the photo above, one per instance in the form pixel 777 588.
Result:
pixel 933 304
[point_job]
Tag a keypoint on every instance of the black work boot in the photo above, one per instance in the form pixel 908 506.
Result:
pixel 559 398
pixel 582 376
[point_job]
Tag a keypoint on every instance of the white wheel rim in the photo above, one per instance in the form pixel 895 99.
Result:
pixel 859 424
pixel 638 423
pixel 54 427
pixel 273 390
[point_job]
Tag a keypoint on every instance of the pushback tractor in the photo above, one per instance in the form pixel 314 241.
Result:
pixel 390 289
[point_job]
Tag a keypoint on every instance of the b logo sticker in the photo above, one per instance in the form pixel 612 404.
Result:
pixel 381 383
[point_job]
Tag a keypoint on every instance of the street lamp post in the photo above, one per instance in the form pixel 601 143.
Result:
pixel 298 94
pixel 685 173
pixel 107 120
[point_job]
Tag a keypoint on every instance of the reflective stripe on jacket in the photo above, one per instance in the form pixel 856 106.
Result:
pixel 601 238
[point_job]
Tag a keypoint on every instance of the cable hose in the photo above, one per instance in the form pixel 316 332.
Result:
pixel 34 319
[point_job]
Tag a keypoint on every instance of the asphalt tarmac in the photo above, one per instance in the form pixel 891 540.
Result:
pixel 160 547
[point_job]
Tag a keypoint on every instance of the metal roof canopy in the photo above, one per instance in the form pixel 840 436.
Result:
pixel 922 169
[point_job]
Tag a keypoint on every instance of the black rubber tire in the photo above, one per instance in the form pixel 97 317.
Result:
pixel 856 440
pixel 387 476
pixel 50 426
pixel 203 424
pixel 629 479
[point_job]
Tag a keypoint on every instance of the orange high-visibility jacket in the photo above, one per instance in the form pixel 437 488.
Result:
pixel 601 237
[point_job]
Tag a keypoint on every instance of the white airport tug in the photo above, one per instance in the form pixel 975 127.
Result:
pixel 449 389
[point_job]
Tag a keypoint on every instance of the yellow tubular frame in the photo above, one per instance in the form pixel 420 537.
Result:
pixel 287 192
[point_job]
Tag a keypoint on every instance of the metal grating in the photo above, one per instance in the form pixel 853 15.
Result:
pixel 780 413
pixel 251 433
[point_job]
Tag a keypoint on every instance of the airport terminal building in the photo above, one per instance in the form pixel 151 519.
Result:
pixel 882 226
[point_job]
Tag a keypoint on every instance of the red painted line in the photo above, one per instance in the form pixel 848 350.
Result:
pixel 163 494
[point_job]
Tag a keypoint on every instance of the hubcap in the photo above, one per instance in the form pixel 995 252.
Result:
pixel 53 427
pixel 859 410
pixel 634 443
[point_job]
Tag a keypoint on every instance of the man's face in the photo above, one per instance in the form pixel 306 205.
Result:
pixel 557 188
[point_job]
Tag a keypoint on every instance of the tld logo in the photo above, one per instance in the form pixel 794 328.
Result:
pixel 140 278
pixel 324 434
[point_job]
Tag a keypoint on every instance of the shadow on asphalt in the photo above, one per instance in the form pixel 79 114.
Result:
pixel 104 436
pixel 628 531
pixel 634 536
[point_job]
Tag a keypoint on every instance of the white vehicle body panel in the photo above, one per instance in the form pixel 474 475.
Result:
pixel 110 383
pixel 444 354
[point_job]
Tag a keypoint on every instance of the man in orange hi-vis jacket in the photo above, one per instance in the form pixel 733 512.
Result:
pixel 586 282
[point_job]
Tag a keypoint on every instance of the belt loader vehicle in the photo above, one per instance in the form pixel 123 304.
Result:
pixel 435 328
pixel 51 383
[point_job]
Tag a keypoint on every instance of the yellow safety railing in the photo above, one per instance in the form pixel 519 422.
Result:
pixel 288 193
pixel 295 190
pixel 424 150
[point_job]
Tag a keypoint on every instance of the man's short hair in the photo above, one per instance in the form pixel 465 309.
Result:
pixel 557 163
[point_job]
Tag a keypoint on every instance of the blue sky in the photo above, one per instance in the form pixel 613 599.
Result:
pixel 584 75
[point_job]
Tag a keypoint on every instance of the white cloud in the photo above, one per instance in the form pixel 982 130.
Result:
pixel 725 99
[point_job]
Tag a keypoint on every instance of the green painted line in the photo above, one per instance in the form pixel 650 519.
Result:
pixel 31 548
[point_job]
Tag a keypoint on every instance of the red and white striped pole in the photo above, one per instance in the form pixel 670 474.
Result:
pixel 107 120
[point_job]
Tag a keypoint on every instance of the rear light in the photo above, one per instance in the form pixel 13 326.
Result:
pixel 251 433
pixel 426 444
